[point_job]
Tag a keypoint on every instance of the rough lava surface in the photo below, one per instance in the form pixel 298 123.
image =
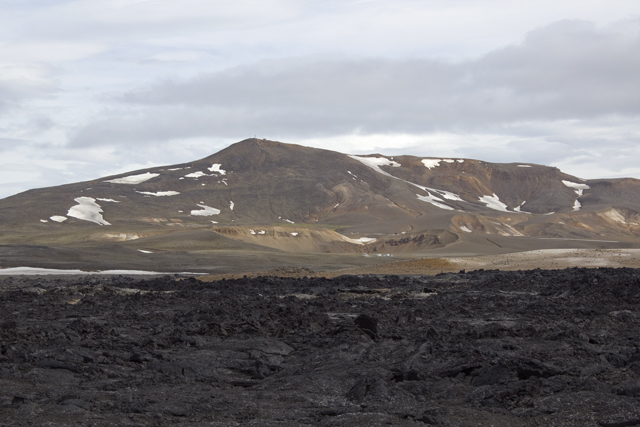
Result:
pixel 482 348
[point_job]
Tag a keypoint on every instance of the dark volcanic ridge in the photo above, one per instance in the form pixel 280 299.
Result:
pixel 525 348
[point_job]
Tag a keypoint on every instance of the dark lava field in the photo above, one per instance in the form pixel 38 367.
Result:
pixel 482 348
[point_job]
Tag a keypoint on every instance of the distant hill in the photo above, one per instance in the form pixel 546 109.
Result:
pixel 267 195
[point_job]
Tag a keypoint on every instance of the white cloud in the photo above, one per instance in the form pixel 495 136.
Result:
pixel 101 87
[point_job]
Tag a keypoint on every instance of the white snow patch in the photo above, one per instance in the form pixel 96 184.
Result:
pixel 196 175
pixel 214 222
pixel 294 234
pixel 58 218
pixel 287 220
pixel 465 229
pixel 107 200
pixel 446 194
pixel 180 211
pixel 144 252
pixel 578 188
pixel 159 193
pixel 43 220
pixel 524 166
pixel 231 205
pixel 575 185
pixel 87 210
pixel 252 231
pixel 460 160
pixel 376 162
pixel 361 240
pixel 493 202
pixel 205 211
pixel 216 167
pixel 576 205
pixel 20 271
pixel 134 179
pixel 519 208
pixel 434 201
pixel 176 169
pixel 431 163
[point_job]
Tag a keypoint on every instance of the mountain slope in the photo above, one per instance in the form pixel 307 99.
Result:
pixel 287 197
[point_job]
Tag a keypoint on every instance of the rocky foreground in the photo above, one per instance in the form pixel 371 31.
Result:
pixel 484 348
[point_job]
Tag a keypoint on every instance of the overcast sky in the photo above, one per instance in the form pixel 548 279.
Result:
pixel 90 88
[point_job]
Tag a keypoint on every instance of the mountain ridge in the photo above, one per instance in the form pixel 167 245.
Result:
pixel 261 195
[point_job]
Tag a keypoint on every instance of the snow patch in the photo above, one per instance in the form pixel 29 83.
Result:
pixel 431 163
pixel 446 194
pixel 524 166
pixel 87 210
pixel 493 202
pixel 58 218
pixel 196 175
pixel 144 252
pixel 465 229
pixel 434 201
pixel 576 205
pixel 294 234
pixel 576 186
pixel 43 220
pixel 205 211
pixel 217 167
pixel 159 193
pixel 519 208
pixel 107 200
pixel 134 179
pixel 376 162
pixel 231 205
pixel 361 240
pixel 579 189
pixel 20 271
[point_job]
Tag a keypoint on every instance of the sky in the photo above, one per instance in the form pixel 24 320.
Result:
pixel 90 88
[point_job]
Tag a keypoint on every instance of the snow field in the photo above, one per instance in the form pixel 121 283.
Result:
pixel 87 210
pixel 134 179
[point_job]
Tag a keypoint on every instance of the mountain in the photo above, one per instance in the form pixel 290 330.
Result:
pixel 258 195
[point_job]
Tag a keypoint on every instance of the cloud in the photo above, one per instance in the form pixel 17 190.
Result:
pixel 570 70
pixel 23 82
